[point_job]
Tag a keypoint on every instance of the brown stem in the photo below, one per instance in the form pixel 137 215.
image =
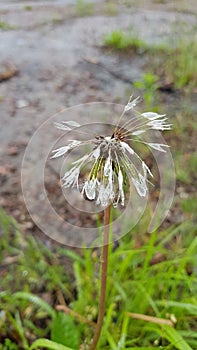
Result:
pixel 82 319
pixel 150 318
pixel 103 278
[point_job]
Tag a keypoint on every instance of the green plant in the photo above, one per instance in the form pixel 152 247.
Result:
pixel 149 85
pixel 84 8
pixel 154 276
pixel 186 166
pixel 119 40
pixel 176 64
pixel 6 26
pixel 8 345
pixel 28 8
pixel 61 330
pixel 49 344
pixel 181 69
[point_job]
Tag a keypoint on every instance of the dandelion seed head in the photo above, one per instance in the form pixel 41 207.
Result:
pixel 112 162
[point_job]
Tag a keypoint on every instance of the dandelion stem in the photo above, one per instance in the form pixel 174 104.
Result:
pixel 103 278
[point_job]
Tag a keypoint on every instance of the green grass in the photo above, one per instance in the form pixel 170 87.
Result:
pixel 175 64
pixel 6 26
pixel 84 8
pixel 186 167
pixel 147 88
pixel 183 148
pixel 28 8
pixel 156 278
pixel 119 40
pixel 180 67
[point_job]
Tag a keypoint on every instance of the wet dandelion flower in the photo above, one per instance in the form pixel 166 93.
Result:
pixel 113 162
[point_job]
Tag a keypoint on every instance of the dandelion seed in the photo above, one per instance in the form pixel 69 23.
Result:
pixel 90 188
pixel 132 104
pixel 62 150
pixel 71 177
pixel 157 146
pixel 113 163
pixel 66 125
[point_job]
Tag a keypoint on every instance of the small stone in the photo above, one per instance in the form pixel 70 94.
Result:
pixel 22 103
pixel 29 224
pixel 13 151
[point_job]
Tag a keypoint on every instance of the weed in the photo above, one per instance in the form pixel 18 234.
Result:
pixel 6 26
pixel 149 85
pixel 181 65
pixel 186 167
pixel 176 64
pixel 28 8
pixel 189 205
pixel 118 40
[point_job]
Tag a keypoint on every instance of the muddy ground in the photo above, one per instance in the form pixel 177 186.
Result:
pixel 51 56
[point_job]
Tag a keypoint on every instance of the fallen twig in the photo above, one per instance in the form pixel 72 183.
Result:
pixel 82 319
pixel 150 319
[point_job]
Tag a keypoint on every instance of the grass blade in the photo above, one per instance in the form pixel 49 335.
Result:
pixel 45 343
pixel 175 338
pixel 35 300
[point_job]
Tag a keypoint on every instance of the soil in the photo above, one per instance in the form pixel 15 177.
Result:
pixel 51 57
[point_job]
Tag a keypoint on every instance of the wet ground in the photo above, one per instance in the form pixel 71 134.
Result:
pixel 52 57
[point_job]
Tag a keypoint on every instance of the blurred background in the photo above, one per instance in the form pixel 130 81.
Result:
pixel 61 53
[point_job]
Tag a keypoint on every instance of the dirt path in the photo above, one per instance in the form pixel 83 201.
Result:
pixel 51 57
pixel 54 59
